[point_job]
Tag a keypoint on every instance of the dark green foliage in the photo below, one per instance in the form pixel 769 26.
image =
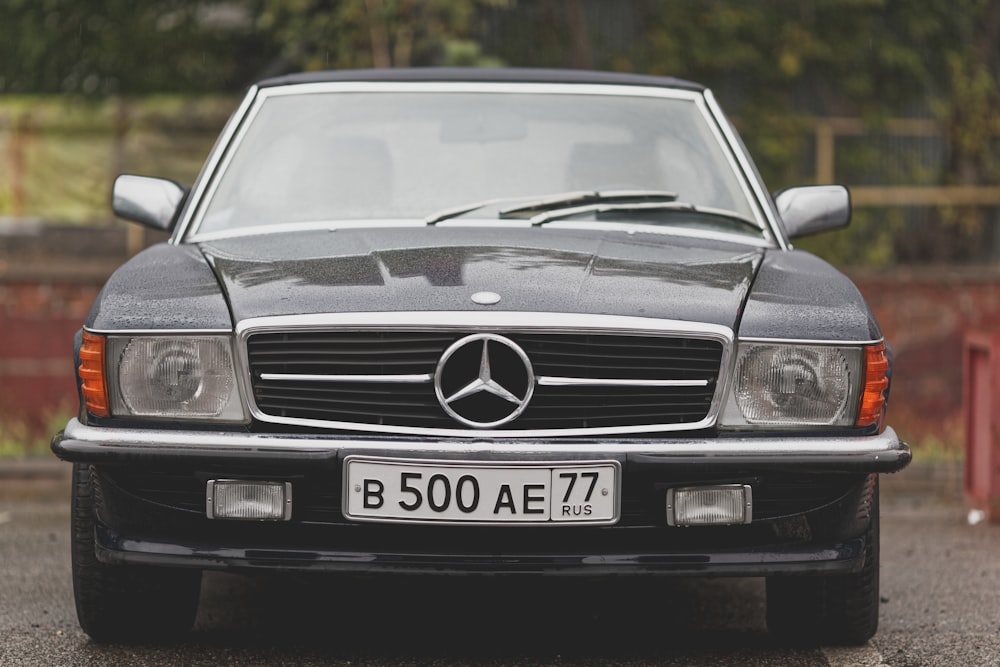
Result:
pixel 101 47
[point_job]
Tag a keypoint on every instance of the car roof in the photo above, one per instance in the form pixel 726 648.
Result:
pixel 482 75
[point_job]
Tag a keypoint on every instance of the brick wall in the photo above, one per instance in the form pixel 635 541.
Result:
pixel 38 321
pixel 925 315
pixel 49 277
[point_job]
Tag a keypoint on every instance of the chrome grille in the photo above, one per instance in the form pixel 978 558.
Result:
pixel 384 378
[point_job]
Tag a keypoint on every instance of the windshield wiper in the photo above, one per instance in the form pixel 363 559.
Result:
pixel 559 201
pixel 563 213
pixel 584 198
pixel 455 211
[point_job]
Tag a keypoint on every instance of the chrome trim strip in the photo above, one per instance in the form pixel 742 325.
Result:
pixel 225 159
pixel 749 184
pixel 638 228
pixel 488 322
pixel 160 332
pixel 208 171
pixel 432 320
pixel 746 166
pixel 616 89
pixel 549 381
pixel 803 341
pixel 425 378
pixel 311 226
pixel 505 223
pixel 715 448
pixel 490 434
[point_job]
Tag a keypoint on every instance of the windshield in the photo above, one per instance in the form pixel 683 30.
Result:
pixel 385 156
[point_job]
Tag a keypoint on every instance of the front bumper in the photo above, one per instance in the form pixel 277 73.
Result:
pixel 882 453
pixel 150 486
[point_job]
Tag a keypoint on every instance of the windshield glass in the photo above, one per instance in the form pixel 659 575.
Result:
pixel 378 156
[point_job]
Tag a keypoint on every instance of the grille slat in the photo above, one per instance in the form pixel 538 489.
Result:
pixel 567 355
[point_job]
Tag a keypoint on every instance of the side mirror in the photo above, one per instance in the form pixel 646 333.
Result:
pixel 153 202
pixel 813 209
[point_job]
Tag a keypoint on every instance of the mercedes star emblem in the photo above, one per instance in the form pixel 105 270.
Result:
pixel 484 380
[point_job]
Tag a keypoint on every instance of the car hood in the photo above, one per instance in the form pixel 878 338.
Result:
pixel 440 269
pixel 761 294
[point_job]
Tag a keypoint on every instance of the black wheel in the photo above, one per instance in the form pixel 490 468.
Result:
pixel 124 602
pixel 836 609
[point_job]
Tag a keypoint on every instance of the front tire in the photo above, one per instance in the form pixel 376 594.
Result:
pixel 835 609
pixel 124 602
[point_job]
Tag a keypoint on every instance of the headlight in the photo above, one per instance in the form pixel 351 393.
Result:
pixel 173 377
pixel 788 384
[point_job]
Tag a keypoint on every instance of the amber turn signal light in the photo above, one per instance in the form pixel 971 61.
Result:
pixel 93 383
pixel 876 381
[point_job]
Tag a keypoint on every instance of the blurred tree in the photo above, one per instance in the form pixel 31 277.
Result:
pixel 336 34
pixel 100 47
pixel 775 63
pixel 868 58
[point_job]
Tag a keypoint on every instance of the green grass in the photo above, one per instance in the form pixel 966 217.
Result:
pixel 930 449
pixel 58 158
pixel 20 441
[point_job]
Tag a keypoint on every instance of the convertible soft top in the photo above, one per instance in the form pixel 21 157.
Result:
pixel 482 74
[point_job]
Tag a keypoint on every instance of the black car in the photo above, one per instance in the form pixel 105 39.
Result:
pixel 458 322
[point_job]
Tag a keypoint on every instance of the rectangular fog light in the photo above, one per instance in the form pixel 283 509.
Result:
pixel 722 505
pixel 248 500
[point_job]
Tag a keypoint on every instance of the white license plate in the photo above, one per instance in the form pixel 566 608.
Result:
pixel 399 491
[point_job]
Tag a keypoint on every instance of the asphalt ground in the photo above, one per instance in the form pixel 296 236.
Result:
pixel 940 589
